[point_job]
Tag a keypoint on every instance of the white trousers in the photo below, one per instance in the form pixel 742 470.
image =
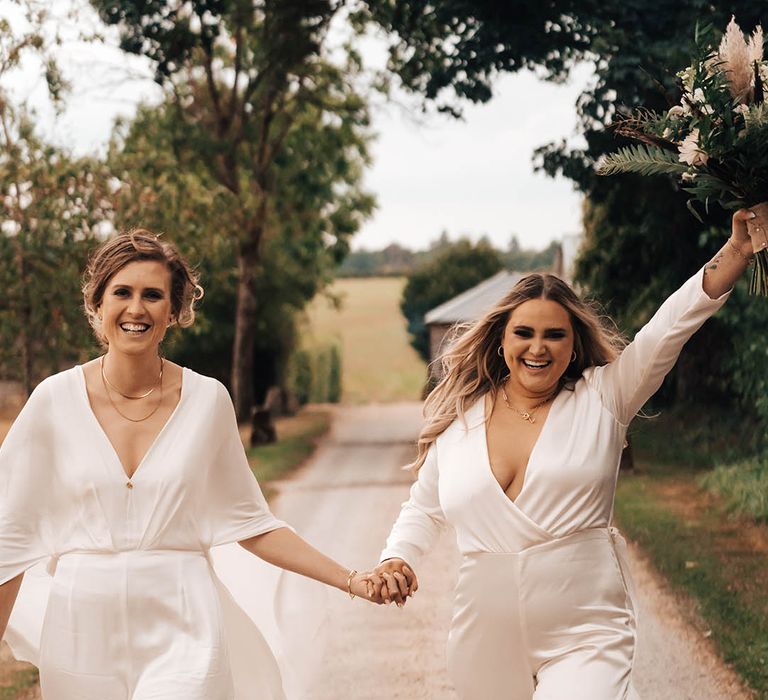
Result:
pixel 554 621
pixel 136 625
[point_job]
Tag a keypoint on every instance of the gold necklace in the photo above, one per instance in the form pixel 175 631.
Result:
pixel 525 415
pixel 114 405
pixel 126 396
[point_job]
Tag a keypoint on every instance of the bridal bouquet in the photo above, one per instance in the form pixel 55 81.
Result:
pixel 716 139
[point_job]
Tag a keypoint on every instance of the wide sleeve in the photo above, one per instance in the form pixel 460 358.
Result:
pixel 26 464
pixel 234 505
pixel 421 518
pixel 627 383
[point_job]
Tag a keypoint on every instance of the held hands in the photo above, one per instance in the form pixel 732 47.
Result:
pixel 392 581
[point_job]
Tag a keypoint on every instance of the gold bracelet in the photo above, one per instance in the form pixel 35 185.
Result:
pixel 352 575
pixel 748 259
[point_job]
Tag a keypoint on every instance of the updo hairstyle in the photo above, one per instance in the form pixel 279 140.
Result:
pixel 137 245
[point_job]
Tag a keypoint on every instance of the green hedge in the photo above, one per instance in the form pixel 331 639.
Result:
pixel 315 374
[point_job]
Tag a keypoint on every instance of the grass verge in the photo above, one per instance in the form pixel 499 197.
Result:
pixel 297 437
pixel 718 559
pixel 21 681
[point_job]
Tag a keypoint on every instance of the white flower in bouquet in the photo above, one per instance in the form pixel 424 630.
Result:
pixel 763 70
pixel 700 101
pixel 676 112
pixel 690 152
pixel 715 141
pixel 687 77
pixel 736 58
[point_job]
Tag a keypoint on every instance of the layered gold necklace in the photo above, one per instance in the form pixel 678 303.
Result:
pixel 528 415
pixel 109 385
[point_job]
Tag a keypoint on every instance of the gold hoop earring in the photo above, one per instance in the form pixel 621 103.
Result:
pixel 500 351
pixel 573 357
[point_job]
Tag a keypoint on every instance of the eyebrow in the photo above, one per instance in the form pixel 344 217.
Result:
pixel 546 330
pixel 146 289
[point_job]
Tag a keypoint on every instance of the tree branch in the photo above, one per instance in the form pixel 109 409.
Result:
pixel 238 67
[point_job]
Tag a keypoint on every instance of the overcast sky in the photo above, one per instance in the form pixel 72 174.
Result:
pixel 470 177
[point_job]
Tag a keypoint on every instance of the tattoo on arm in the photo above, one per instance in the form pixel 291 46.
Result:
pixel 712 264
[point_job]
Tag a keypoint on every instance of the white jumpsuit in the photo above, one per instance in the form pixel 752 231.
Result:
pixel 543 606
pixel 132 607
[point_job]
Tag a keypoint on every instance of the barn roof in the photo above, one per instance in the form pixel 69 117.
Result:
pixel 471 304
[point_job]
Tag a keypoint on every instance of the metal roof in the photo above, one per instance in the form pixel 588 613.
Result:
pixel 473 303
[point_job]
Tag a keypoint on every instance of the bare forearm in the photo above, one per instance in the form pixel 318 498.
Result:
pixel 721 273
pixel 284 548
pixel 8 592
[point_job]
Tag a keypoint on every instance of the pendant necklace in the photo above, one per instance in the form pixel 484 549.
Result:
pixel 529 414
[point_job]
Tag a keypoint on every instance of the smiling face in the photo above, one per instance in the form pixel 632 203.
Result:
pixel 538 343
pixel 135 310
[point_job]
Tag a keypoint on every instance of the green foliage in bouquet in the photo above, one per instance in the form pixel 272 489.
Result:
pixel 715 140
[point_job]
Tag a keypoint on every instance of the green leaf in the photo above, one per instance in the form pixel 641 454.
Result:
pixel 642 159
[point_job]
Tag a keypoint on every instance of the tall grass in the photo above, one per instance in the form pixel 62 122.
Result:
pixel 743 486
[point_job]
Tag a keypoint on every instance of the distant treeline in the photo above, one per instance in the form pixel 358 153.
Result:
pixel 395 260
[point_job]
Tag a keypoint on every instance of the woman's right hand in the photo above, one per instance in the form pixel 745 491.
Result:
pixel 396 581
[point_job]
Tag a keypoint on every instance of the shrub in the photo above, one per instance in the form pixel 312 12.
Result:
pixel 334 374
pixel 743 485
pixel 301 376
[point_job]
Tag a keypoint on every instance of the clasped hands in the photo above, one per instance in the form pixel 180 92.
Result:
pixel 392 581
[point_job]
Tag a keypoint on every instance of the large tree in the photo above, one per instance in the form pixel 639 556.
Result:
pixel 641 243
pixel 166 186
pixel 239 75
pixel 457 267
pixel 53 206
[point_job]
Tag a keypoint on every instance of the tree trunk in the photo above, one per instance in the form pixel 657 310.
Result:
pixel 25 318
pixel 245 336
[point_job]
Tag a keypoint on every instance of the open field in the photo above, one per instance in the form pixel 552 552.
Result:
pixel 378 363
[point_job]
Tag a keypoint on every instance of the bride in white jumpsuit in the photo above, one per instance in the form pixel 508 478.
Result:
pixel 543 605
pixel 116 480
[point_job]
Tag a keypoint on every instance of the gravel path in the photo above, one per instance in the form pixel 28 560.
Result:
pixel 344 502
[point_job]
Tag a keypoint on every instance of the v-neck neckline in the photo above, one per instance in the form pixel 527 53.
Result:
pixel 487 454
pixel 110 446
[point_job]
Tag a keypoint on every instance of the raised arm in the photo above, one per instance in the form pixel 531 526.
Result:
pixel 721 273
pixel 628 382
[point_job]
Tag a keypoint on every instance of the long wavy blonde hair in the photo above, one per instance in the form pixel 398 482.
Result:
pixel 472 367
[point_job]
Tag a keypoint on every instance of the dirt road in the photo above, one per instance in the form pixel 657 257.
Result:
pixel 345 501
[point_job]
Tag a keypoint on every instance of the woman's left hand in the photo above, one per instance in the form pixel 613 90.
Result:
pixel 363 585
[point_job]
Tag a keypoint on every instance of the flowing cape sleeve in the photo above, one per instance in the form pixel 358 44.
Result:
pixel 234 506
pixel 421 517
pixel 26 480
pixel 629 381
pixel 28 518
